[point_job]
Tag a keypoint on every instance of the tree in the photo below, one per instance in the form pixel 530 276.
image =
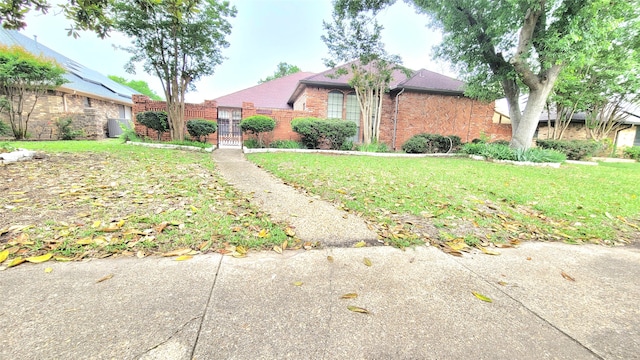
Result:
pixel 354 37
pixel 283 69
pixel 24 79
pixel 138 85
pixel 84 14
pixel 511 47
pixel 178 40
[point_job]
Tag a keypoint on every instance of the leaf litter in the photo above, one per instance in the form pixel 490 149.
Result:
pixel 132 202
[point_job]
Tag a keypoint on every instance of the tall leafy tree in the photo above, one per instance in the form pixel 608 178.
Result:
pixel 354 36
pixel 179 41
pixel 510 47
pixel 138 85
pixel 24 79
pixel 282 70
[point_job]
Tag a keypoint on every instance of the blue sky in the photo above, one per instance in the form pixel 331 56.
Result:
pixel 265 32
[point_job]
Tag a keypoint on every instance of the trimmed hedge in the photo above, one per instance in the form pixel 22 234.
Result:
pixel 258 124
pixel 199 128
pixel 317 133
pixel 573 149
pixel 155 120
pixel 632 152
pixel 431 144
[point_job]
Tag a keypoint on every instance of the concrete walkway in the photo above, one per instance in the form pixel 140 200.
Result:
pixel 289 306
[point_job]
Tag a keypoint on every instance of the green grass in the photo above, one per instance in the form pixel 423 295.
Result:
pixel 117 196
pixel 494 202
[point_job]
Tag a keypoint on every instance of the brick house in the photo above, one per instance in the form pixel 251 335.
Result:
pixel 425 102
pixel 89 98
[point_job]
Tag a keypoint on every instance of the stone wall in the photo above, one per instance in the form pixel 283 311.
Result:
pixel 89 115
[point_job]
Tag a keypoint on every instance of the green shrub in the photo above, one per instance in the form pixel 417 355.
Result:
pixel 501 142
pixel 431 144
pixel 5 147
pixel 632 152
pixel 499 151
pixel 573 149
pixel 199 129
pixel 347 145
pixel 66 130
pixel 257 125
pixel 285 144
pixel 539 155
pixel 252 144
pixel 316 133
pixel 5 129
pixel 155 120
pixel 374 147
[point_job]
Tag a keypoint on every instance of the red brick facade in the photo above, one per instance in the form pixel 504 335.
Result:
pixel 417 113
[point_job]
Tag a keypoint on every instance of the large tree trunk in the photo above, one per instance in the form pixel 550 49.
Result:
pixel 522 134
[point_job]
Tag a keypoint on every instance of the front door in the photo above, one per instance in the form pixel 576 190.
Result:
pixel 229 127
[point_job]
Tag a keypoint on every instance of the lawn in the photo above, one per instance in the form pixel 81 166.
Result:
pixel 104 198
pixel 458 200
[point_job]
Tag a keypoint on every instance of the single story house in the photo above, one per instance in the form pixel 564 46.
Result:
pixel 89 98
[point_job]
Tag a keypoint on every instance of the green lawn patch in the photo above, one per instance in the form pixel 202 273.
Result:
pixel 104 198
pixel 454 200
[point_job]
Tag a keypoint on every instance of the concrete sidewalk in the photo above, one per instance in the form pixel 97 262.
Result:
pixel 420 301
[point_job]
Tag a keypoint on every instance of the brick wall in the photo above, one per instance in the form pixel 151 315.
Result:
pixel 56 105
pixel 282 117
pixel 207 110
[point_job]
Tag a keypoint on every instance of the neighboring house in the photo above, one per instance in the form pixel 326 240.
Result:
pixel 89 98
pixel 425 102
pixel 628 135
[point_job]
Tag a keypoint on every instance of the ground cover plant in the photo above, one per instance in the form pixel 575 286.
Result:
pixel 104 198
pixel 458 202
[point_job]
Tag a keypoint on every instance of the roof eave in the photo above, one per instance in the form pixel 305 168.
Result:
pixel 430 91
pixel 94 96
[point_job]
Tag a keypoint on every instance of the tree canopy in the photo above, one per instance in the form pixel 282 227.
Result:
pixel 178 40
pixel 283 69
pixel 515 47
pixel 24 79
pixel 138 85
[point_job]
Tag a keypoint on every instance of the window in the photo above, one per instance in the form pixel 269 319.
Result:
pixel 334 105
pixel 636 142
pixel 87 102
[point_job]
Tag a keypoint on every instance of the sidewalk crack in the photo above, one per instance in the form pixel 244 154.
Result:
pixel 178 330
pixel 206 308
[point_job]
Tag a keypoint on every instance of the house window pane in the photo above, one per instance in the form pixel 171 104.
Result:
pixel 637 140
pixel 334 108
pixel 353 113
pixel 237 115
pixel 223 114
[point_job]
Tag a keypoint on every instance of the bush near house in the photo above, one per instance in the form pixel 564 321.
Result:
pixel 257 125
pixel 5 129
pixel 66 130
pixel 199 129
pixel 632 152
pixel 285 144
pixel 573 149
pixel 498 151
pixel 431 144
pixel 324 133
pixel 155 120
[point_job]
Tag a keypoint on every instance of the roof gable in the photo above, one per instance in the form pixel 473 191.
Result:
pixel 272 94
pixel 425 80
pixel 79 77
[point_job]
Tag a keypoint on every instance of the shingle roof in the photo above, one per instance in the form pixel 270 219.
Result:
pixel 425 80
pixel 81 78
pixel 326 78
pixel 272 94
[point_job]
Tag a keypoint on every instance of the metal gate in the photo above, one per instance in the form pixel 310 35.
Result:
pixel 229 132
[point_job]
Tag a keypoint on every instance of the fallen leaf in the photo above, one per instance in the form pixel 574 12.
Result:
pixel 263 233
pixel 358 309
pixel 502 283
pixel 241 250
pixel 15 262
pixel 297 283
pixel 277 249
pixel 62 258
pixel 349 296
pixel 529 258
pixel 160 227
pixel 330 258
pixel 284 245
pixel 39 259
pixel 140 254
pixel 360 244
pixel 289 232
pixel 367 261
pixel 84 241
pixel 104 278
pixel 177 252
pixel 3 255
pixel 487 251
pixel 481 297
pixel 567 276
pixel 184 257
pixel 96 224
pixel 48 270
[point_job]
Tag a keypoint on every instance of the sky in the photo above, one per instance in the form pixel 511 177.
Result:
pixel 265 33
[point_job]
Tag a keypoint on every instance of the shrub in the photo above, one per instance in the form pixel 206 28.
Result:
pixel 5 147
pixel 199 129
pixel 258 124
pixel 573 149
pixel 490 151
pixel 66 130
pixel 632 152
pixel 433 143
pixel 374 147
pixel 155 120
pixel 539 155
pixel 285 144
pixel 5 129
pixel 316 133
pixel 252 144
pixel 501 142
pixel 347 145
